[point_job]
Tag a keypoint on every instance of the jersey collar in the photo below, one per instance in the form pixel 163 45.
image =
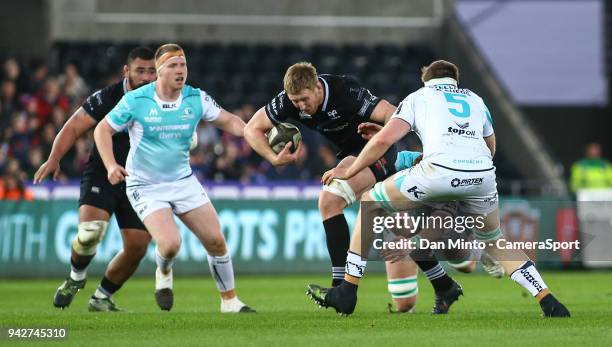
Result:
pixel 168 105
pixel 326 92
pixel 125 86
pixel 444 80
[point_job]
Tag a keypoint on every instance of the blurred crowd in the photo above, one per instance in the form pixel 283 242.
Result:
pixel 35 102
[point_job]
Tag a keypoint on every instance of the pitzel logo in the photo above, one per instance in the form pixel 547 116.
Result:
pixel 456 182
pixel 187 114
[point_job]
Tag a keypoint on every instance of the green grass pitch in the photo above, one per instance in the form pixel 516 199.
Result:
pixel 492 312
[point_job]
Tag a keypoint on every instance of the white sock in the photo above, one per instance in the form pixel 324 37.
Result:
pixel 78 275
pixel 100 294
pixel 164 264
pixel 529 278
pixel 222 271
pixel 355 266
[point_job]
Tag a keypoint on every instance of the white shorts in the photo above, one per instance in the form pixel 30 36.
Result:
pixel 181 196
pixel 475 191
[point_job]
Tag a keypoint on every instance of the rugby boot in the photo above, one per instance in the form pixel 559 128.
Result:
pixel 445 299
pixel 66 292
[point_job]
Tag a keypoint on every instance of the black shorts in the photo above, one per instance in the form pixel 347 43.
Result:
pixel 384 167
pixel 97 191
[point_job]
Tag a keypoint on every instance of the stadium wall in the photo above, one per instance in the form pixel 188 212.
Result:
pixel 264 236
pixel 265 21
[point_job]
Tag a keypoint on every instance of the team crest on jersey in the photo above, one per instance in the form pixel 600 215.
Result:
pixel 333 114
pixel 153 116
pixel 187 114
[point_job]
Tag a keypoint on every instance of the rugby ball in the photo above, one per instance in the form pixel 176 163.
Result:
pixel 280 135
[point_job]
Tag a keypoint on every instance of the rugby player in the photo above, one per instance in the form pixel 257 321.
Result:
pixel 339 108
pixel 161 118
pixel 456 129
pixel 98 198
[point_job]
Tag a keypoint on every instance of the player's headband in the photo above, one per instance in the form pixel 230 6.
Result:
pixel 166 57
pixel 443 80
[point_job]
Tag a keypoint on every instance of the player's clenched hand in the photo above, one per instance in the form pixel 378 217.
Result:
pixel 337 172
pixel 116 174
pixel 45 169
pixel 367 130
pixel 285 156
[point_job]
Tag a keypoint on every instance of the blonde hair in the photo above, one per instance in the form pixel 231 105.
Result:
pixel 167 51
pixel 439 69
pixel 299 76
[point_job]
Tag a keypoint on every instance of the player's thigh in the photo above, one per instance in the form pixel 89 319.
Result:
pixel 162 227
pixel 96 198
pixel 486 222
pixel 135 241
pixel 89 213
pixel 203 221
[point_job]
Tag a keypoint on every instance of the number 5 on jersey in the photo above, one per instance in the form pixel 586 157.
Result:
pixel 459 106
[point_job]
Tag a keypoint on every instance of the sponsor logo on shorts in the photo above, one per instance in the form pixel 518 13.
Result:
pixel 136 195
pixel 95 189
pixel 456 182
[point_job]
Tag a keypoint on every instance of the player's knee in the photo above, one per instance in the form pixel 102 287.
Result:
pixel 367 196
pixel 169 248
pixel 404 292
pixel 341 189
pixel 136 246
pixel 89 235
pixel 330 204
pixel 216 246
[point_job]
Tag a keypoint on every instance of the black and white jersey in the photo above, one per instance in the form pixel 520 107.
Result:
pixel 97 106
pixel 346 104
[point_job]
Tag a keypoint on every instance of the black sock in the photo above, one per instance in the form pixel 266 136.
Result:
pixel 431 268
pixel 109 287
pixel 338 242
pixel 348 287
pixel 81 262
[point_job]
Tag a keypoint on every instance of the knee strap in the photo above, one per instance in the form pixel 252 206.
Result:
pixel 342 189
pixel 88 236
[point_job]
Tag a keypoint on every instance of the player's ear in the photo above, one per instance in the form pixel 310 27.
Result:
pixel 125 70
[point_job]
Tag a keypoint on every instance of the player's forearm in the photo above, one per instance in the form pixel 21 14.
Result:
pixel 63 142
pixel 103 137
pixel 258 141
pixel 236 127
pixel 373 150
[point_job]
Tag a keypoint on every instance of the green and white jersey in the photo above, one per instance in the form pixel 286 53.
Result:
pixel 452 123
pixel 160 131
